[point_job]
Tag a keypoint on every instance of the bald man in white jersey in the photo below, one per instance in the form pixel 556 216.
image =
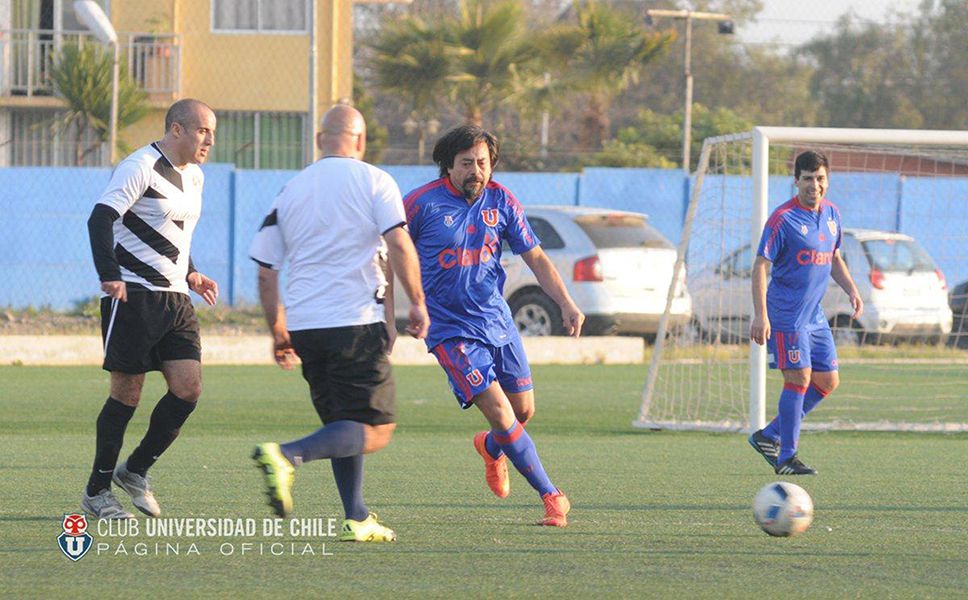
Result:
pixel 141 232
pixel 333 226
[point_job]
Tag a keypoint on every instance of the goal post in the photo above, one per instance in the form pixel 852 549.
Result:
pixel 707 375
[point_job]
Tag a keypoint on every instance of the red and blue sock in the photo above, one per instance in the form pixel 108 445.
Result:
pixel 492 447
pixel 519 448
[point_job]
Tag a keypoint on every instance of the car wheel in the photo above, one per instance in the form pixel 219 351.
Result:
pixel 536 314
pixel 847 331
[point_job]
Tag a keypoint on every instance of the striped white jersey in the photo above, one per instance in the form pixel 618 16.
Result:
pixel 159 207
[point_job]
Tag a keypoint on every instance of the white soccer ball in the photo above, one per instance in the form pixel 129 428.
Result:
pixel 783 509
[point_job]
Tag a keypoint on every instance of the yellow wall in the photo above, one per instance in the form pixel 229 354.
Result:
pixel 243 71
pixel 261 71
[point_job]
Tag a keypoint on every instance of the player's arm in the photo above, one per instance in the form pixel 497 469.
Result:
pixel 838 270
pixel 275 314
pixel 128 183
pixel 550 281
pixel 406 265
pixel 100 230
pixel 201 284
pixel 760 325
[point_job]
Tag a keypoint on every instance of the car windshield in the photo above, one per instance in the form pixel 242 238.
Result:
pixel 621 231
pixel 898 255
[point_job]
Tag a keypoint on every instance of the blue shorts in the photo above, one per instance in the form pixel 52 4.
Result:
pixel 812 349
pixel 472 366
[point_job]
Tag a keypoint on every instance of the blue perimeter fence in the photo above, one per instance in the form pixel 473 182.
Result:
pixel 45 254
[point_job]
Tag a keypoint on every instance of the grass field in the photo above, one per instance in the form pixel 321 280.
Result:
pixel 656 514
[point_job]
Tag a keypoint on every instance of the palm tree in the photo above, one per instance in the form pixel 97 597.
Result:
pixel 82 78
pixel 478 59
pixel 412 61
pixel 601 57
pixel 496 62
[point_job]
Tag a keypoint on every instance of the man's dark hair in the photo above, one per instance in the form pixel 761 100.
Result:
pixel 459 139
pixel 810 161
pixel 182 112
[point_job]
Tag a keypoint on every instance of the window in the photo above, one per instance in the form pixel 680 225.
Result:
pixel 618 230
pixel 259 140
pixel 38 138
pixel 898 255
pixel 259 15
pixel 550 240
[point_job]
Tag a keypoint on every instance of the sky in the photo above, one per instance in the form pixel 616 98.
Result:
pixel 793 22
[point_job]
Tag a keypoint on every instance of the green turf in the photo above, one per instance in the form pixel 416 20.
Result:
pixel 655 514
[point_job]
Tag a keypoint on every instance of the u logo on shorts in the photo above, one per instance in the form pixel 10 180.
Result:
pixel 475 377
pixel 794 355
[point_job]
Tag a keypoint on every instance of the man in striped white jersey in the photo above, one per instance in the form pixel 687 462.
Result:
pixel 141 231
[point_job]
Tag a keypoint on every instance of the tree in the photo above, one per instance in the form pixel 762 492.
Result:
pixel 476 59
pixel 862 75
pixel 81 76
pixel 495 58
pixel 412 61
pixel 656 140
pixel 909 73
pixel 376 134
pixel 600 56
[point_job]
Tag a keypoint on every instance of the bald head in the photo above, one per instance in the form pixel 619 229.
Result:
pixel 186 112
pixel 342 132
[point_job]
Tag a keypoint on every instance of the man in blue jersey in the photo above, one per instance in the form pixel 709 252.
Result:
pixel 458 224
pixel 801 241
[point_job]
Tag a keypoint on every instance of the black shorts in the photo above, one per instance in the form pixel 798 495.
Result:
pixel 151 327
pixel 348 372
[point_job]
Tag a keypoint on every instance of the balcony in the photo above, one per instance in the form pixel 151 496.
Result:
pixel 153 61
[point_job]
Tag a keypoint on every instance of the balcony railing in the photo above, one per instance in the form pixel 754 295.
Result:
pixel 154 61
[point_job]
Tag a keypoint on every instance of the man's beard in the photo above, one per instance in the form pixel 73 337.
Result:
pixel 472 188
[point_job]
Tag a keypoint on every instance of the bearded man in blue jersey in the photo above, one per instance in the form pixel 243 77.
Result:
pixel 458 223
pixel 801 241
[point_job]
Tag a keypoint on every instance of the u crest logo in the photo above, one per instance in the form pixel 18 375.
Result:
pixel 475 377
pixel 793 355
pixel 490 217
pixel 75 541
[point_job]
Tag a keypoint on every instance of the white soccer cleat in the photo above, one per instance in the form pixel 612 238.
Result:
pixel 137 487
pixel 104 505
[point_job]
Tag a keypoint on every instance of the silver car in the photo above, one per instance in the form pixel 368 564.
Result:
pixel 904 292
pixel 617 267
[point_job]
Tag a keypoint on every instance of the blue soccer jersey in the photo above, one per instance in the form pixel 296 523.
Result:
pixel 459 246
pixel 801 244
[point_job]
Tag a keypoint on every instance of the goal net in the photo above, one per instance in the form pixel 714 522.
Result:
pixel 903 198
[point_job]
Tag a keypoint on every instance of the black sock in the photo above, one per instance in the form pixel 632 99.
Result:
pixel 169 415
pixel 111 424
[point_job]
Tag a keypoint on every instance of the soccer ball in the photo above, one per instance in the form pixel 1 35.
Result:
pixel 783 509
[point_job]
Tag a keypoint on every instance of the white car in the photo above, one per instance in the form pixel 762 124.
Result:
pixel 617 267
pixel 905 294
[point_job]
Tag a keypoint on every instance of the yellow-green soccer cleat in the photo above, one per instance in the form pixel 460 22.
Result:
pixel 279 473
pixel 367 530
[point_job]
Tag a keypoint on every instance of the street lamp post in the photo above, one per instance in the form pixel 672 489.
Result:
pixel 725 26
pixel 91 16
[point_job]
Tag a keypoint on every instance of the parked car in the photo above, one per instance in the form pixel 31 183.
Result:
pixel 615 264
pixel 904 292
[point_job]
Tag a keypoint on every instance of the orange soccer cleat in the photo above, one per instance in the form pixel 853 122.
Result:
pixel 495 469
pixel 556 509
